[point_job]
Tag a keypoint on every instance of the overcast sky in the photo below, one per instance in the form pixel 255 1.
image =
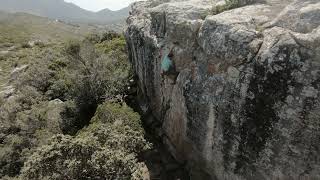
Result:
pixel 96 5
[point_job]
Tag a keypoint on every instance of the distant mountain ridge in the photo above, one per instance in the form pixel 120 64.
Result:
pixel 59 9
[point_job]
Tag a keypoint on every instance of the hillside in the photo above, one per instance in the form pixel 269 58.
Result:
pixel 58 9
pixel 61 93
pixel 19 29
pixel 65 92
pixel 35 27
pixel 191 90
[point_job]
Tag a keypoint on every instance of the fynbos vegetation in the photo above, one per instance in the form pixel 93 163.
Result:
pixel 62 114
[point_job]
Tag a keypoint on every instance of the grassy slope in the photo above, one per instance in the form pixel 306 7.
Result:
pixel 37 118
pixel 20 28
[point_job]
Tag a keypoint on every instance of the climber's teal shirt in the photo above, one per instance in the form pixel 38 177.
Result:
pixel 166 64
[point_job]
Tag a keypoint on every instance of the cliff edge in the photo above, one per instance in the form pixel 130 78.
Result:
pixel 244 103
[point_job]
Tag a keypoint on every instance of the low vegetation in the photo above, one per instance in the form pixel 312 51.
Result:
pixel 64 117
pixel 107 149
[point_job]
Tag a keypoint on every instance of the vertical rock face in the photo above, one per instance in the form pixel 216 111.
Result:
pixel 245 103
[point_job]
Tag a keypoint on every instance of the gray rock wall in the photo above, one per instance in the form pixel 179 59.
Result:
pixel 245 104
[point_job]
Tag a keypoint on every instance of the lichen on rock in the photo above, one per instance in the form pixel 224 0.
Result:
pixel 244 104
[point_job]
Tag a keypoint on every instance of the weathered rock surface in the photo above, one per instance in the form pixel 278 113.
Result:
pixel 245 104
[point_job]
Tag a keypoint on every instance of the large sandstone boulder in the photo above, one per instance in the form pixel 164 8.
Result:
pixel 245 104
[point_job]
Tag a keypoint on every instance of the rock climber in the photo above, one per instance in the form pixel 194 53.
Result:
pixel 167 66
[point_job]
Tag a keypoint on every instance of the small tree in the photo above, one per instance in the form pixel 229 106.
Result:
pixel 95 77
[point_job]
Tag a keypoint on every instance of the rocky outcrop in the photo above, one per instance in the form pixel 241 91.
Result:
pixel 245 103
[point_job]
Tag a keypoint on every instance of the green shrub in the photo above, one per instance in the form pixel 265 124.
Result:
pixel 63 158
pixel 115 113
pixel 72 48
pixel 116 137
pixel 110 35
pixel 84 76
pixel 94 155
pixel 93 38
pixel 57 64
pixel 70 123
pixel 38 76
pixel 11 153
pixel 18 129
pixel 107 149
pixel 58 90
pixel 117 44
pixel 29 96
pixel 23 100
pixel 94 78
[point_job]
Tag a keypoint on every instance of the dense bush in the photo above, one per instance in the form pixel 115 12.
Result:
pixel 72 48
pixel 93 38
pixel 99 38
pixel 37 76
pixel 11 153
pixel 25 124
pixel 110 36
pixel 107 149
pixel 117 44
pixel 59 92
pixel 125 125
pixel 114 113
pixel 28 117
pixel 74 158
pixel 94 77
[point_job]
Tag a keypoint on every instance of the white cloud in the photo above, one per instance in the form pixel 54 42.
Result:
pixel 96 5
